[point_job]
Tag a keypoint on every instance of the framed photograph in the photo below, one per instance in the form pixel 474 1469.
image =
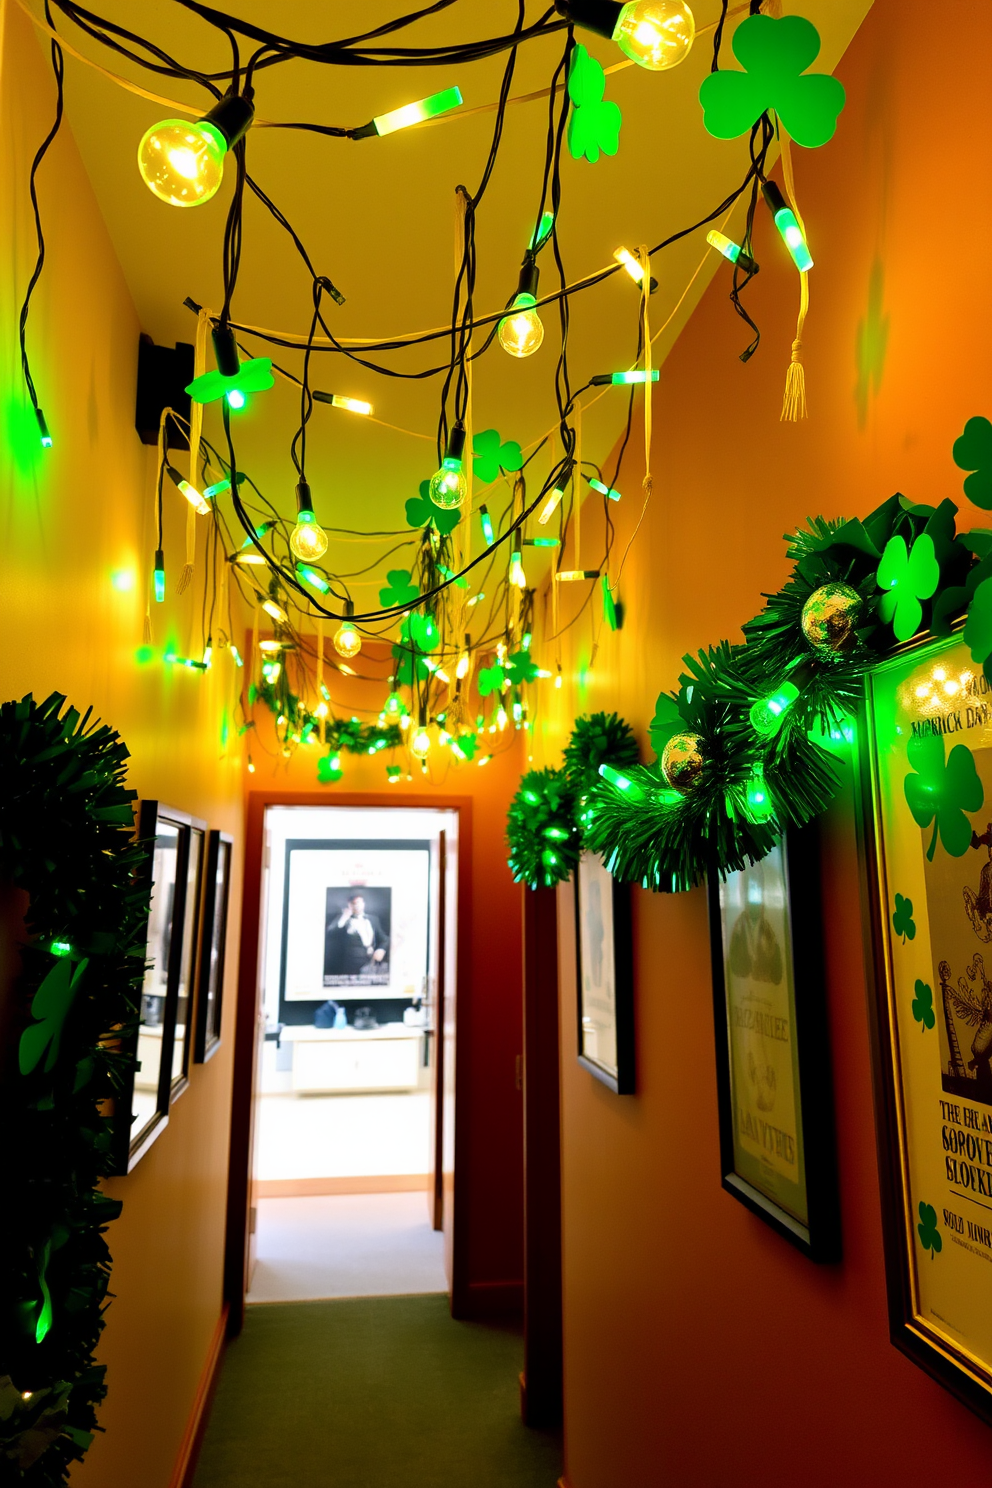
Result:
pixel 160 1041
pixel 605 975
pixel 213 945
pixel 927 812
pixel 772 1053
pixel 355 923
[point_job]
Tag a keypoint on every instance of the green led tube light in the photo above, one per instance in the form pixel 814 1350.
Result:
pixel 788 227
pixel 621 378
pixel 597 485
pixel 411 113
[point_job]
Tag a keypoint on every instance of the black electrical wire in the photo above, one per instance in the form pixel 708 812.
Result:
pixel 58 68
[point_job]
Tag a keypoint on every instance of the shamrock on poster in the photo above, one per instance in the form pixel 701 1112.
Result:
pixel 521 667
pixel 252 377
pixel 421 509
pixel 942 791
pixel 902 919
pixel 923 1006
pixel 907 576
pixel 491 455
pixel 775 53
pixel 928 1231
pixel 399 589
pixel 973 451
pixel 490 680
pixel 594 122
pixel 50 1004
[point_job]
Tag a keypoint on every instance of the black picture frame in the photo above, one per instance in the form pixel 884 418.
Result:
pixel 212 945
pixel 617 947
pixel 819 1237
pixel 130 1145
pixel 963 1372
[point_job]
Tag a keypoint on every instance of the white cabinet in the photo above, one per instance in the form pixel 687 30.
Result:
pixel 347 1059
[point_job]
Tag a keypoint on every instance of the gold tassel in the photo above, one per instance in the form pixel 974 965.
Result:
pixel 185 578
pixel 794 399
pixel 647 484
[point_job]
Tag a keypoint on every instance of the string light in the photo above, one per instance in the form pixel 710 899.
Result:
pixel 785 221
pixel 338 400
pixel 313 577
pixel 183 163
pixel 308 540
pixel 276 611
pixel 522 331
pixel 420 744
pixel 489 537
pixel 195 498
pixel 731 250
pixel 43 434
pixel 347 641
pixel 575 575
pixel 540 542
pixel 620 379
pixel 656 34
pixel 517 576
pixel 767 713
pixel 607 491
pixel 412 113
pixel 159 576
pixel 449 486
pixel 634 267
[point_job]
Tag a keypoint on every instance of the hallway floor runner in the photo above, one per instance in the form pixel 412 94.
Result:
pixel 377 1392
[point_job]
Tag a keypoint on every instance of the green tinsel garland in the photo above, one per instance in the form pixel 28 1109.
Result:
pixel 66 826
pixel 541 830
pixel 601 739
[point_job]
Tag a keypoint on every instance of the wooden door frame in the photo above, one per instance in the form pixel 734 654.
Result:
pixel 243 1084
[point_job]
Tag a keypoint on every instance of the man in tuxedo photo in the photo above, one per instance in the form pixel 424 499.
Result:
pixel 356 943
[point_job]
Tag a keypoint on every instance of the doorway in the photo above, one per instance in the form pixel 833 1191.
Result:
pixel 350 1118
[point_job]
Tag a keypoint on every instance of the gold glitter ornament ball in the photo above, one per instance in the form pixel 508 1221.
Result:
pixel 682 762
pixel 830 615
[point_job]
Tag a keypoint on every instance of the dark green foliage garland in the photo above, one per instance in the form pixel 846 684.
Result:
pixel 602 739
pixel 541 830
pixel 66 826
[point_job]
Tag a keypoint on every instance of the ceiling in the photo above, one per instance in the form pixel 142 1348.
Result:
pixel 378 218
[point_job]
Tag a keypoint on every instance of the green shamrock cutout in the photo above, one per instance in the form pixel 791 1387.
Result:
pixel 467 743
pixel 928 1231
pixel 973 451
pixel 50 1004
pixel 775 53
pixel 329 769
pixel 421 509
pixel 594 122
pixel 418 637
pixel 253 377
pixel 666 722
pixel 491 455
pixel 399 590
pixel 520 667
pixel 902 920
pixel 978 626
pixel 942 792
pixel 420 629
pixel 907 577
pixel 923 1006
pixel 490 680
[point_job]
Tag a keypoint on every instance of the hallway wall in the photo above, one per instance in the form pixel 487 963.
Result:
pixel 700 1348
pixel 490 1035
pixel 71 516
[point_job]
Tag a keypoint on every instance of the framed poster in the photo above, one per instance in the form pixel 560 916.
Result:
pixel 605 975
pixel 213 945
pixel 355 923
pixel 161 1058
pixel 772 1052
pixel 927 800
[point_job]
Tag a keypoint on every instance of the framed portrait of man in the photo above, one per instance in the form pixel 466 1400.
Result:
pixel 773 1066
pixel 605 975
pixel 357 922
pixel 927 815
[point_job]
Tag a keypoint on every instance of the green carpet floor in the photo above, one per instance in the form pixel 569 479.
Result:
pixel 382 1392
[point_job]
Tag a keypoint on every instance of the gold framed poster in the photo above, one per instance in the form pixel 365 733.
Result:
pixel 927 795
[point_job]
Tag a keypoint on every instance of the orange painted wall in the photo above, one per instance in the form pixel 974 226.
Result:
pixel 70 517
pixel 701 1349
pixel 490 1008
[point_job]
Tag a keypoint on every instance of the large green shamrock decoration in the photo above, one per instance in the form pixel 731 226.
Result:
pixel 923 1006
pixel 252 377
pixel 521 667
pixel 50 1004
pixel 421 509
pixel 491 455
pixel 775 53
pixel 399 590
pixel 421 630
pixel 594 122
pixel 329 769
pixel 902 920
pixel 907 576
pixel 973 451
pixel 490 680
pixel 942 792
pixel 928 1231
pixel 466 744
pixel 978 626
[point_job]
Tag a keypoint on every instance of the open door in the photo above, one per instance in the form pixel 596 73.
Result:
pixel 436 981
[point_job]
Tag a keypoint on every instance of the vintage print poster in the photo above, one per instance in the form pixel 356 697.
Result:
pixel 598 989
pixel 357 924
pixel 932 739
pixel 761 1033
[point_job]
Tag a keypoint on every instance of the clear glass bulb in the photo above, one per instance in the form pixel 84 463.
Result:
pixel 347 641
pixel 308 540
pixel 420 744
pixel 656 34
pixel 522 332
pixel 182 163
pixel 448 485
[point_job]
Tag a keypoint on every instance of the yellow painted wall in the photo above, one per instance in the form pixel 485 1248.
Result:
pixel 69 517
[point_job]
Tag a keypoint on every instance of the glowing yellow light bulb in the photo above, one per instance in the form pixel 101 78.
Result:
pixel 308 539
pixel 461 670
pixel 656 34
pixel 449 487
pixel 420 743
pixel 521 332
pixel 182 163
pixel 347 641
